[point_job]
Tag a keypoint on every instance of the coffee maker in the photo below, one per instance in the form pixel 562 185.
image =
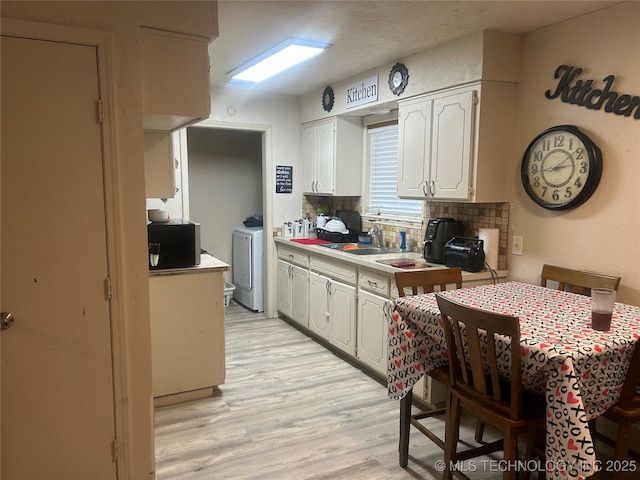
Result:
pixel 439 232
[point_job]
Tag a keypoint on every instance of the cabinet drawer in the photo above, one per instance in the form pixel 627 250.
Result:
pixel 374 282
pixel 339 271
pixel 294 256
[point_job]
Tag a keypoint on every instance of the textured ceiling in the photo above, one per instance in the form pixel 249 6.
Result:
pixel 365 34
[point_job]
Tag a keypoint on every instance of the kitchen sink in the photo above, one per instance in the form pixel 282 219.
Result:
pixel 360 248
pixel 371 250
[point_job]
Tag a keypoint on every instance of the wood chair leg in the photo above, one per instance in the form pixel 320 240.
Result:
pixel 479 431
pixel 510 454
pixel 452 431
pixel 405 426
pixel 622 446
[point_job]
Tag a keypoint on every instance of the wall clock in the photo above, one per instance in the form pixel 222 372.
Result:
pixel 327 99
pixel 561 168
pixel 398 78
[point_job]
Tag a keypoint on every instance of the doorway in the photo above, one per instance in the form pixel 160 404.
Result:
pixel 226 184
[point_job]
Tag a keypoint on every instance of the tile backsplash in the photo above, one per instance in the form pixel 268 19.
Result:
pixel 472 215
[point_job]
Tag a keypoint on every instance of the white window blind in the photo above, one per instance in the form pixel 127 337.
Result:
pixel 382 198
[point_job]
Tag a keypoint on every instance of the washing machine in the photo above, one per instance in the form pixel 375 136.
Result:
pixel 248 267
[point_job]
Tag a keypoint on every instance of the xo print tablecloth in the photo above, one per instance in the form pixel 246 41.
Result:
pixel 580 370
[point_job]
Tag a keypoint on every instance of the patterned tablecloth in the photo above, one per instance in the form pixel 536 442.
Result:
pixel 580 369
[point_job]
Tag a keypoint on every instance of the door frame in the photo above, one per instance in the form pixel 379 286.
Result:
pixel 268 186
pixel 103 43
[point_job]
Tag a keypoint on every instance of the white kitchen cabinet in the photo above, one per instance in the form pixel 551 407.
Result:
pixel 332 156
pixel 373 326
pixel 452 144
pixel 293 287
pixel 175 79
pixel 159 165
pixel 332 311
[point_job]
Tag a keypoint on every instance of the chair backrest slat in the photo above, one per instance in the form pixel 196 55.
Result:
pixel 425 281
pixel 467 330
pixel 577 281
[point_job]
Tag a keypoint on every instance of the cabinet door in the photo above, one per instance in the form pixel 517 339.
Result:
pixel 318 304
pixel 325 158
pixel 284 287
pixel 175 79
pixel 309 159
pixel 342 309
pixel 159 165
pixel 452 146
pixel 299 279
pixel 373 325
pixel 414 148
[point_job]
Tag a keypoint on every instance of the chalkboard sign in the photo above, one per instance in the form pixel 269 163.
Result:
pixel 284 179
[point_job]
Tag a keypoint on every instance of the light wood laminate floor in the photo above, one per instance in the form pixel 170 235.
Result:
pixel 290 409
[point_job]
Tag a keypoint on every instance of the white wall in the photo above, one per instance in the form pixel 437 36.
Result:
pixel 603 233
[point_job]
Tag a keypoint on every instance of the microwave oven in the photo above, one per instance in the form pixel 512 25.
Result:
pixel 179 242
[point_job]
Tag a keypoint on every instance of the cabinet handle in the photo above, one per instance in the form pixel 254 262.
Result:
pixel 424 189
pixel 328 287
pixel 372 283
pixel 432 188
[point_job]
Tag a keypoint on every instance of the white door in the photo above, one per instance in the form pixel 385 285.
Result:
pixel 284 287
pixel 319 304
pixel 373 326
pixel 299 292
pixel 342 308
pixel 57 387
pixel 452 147
pixel 325 157
pixel 414 148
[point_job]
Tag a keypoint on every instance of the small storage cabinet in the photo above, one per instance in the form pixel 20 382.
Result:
pixel 332 157
pixel 159 164
pixel 175 79
pixel 293 284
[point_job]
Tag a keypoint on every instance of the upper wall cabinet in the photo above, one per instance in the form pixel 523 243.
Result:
pixel 175 79
pixel 159 165
pixel 453 145
pixel 332 157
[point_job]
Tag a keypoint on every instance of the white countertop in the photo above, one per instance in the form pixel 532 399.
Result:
pixel 208 263
pixel 371 261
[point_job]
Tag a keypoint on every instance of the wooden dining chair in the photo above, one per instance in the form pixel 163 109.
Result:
pixel 477 388
pixel 414 283
pixel 624 413
pixel 577 281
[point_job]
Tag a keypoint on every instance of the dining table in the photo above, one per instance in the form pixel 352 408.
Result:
pixel 579 370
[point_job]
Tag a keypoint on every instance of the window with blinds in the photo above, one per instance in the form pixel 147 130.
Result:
pixel 381 190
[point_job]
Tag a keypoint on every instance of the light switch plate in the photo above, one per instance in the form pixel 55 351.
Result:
pixel 516 245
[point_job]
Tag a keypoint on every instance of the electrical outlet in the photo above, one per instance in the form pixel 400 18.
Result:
pixel 516 245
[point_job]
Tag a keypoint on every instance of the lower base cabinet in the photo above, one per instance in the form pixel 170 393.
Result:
pixel 373 325
pixel 292 292
pixel 187 332
pixel 332 311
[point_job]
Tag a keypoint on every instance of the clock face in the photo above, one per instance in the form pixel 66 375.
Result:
pixel 561 168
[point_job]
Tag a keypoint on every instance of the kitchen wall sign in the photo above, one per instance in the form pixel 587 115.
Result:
pixel 361 92
pixel 327 99
pixel 561 168
pixel 284 179
pixel 576 91
pixel 398 78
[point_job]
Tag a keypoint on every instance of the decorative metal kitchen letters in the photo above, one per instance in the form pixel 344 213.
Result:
pixel 579 92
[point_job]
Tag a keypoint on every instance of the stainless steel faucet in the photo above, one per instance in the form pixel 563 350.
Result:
pixel 376 233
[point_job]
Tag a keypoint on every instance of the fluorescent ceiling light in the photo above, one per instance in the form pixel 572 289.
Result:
pixel 281 57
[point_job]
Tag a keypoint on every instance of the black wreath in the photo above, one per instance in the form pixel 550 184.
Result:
pixel 327 99
pixel 404 73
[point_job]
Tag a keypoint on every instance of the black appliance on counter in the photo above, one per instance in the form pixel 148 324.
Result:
pixel 179 242
pixel 464 252
pixel 439 232
pixel 352 221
